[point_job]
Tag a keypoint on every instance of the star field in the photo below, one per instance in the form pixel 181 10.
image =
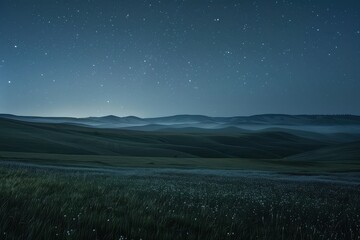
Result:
pixel 156 58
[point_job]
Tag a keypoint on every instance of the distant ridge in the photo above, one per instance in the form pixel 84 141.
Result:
pixel 322 123
pixel 195 116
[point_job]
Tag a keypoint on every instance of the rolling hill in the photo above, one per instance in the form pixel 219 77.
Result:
pixel 67 138
pixel 313 123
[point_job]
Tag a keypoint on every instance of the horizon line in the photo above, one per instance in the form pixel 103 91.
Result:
pixel 183 114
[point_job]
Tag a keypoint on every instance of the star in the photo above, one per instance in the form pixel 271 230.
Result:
pixel 175 49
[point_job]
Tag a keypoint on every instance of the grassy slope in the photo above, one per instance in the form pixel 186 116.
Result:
pixel 59 144
pixel 95 161
pixel 346 152
pixel 19 136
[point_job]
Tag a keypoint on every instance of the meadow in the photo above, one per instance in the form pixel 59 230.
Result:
pixel 67 204
pixel 72 181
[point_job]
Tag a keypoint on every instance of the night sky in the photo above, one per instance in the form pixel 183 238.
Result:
pixel 156 58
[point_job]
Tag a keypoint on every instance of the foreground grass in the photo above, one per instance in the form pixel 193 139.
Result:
pixel 49 204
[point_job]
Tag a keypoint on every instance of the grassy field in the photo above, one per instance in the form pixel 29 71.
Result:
pixel 55 204
pixel 95 161
pixel 60 181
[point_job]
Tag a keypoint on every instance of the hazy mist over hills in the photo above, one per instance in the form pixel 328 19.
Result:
pixel 317 123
